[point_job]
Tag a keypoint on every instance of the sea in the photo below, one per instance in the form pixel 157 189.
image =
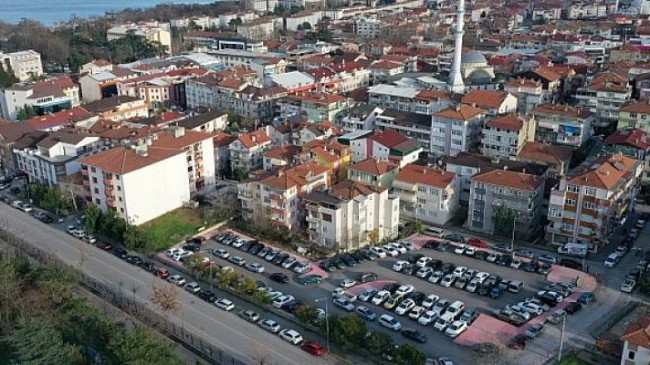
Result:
pixel 49 12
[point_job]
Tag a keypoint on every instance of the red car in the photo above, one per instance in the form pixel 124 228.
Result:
pixel 313 347
pixel 162 273
pixel 105 246
pixel 477 242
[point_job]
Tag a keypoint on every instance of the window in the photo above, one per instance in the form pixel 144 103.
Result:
pixel 97 201
pixel 590 191
pixel 96 191
pixel 421 201
pixel 567 227
pixel 631 354
pixel 573 188
pixel 433 191
pixel 92 169
pixel 589 205
pixel 327 218
pixel 570 202
pixel 422 189
pixel 94 180
pixel 119 188
pixel 121 210
pixel 556 213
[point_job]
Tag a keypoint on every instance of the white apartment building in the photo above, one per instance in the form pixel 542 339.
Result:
pixel 529 93
pixel 45 97
pixel 562 124
pixel 505 137
pixel 199 148
pixel 387 145
pixel 351 215
pixel 260 29
pixel 296 21
pixel 152 31
pixel 56 156
pixel 25 64
pixel 139 184
pixel 277 195
pixel 456 129
pixel 369 28
pixel 408 99
pixel 427 194
pixel 492 101
pixel 412 125
pixel 587 10
pixel 604 97
pixel 247 151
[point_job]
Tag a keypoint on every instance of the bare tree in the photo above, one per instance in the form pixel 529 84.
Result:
pixel 165 297
pixel 83 256
pixel 261 356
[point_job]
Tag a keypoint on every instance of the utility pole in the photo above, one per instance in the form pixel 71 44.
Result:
pixel 559 354
pixel 327 321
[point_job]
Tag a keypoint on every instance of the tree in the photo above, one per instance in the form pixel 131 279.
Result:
pixel 262 297
pixel 142 347
pixel 373 237
pixel 247 285
pixel 306 313
pixel 93 219
pixel 228 277
pixel 235 22
pixel 134 239
pixel 7 77
pixel 379 342
pixel 37 342
pixel 644 284
pixel 504 221
pixel 194 262
pixel 26 112
pixel 348 331
pixel 408 355
pixel 165 297
pixel 306 26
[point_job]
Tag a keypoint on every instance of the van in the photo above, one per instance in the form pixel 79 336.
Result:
pixel 367 277
pixel 515 286
pixel 434 232
pixel 611 260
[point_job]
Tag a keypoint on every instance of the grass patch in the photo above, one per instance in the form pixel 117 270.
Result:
pixel 171 228
pixel 570 360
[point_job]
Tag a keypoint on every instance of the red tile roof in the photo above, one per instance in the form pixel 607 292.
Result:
pixel 545 152
pixel 59 118
pixel 296 176
pixel 642 106
pixel 350 189
pixel 510 122
pixel 638 333
pixel 222 139
pixel 416 174
pixel 606 172
pixel 253 139
pixel 189 137
pixel 460 112
pixel 484 98
pixel 122 160
pixel 388 138
pixel 373 166
pixel 510 179
pixel 636 138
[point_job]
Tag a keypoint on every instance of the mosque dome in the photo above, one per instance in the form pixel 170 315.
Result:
pixel 473 58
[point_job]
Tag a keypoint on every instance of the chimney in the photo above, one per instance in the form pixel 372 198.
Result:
pixel 505 168
pixel 141 150
pixel 254 138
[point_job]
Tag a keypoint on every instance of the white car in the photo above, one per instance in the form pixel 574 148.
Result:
pixel 472 286
pixel 289 262
pixel 280 301
pixel 291 336
pixel 448 280
pixel 255 267
pixel 302 267
pixel 424 272
pixel 430 300
pixel 367 294
pixel 416 312
pixel 423 261
pixel 493 257
pixel 460 249
pixel 390 250
pixel 225 304
pixel 640 223
pixel 515 264
pixel 532 308
pixel 456 328
pixel 398 246
pixel 238 243
pixel 404 307
pixel 378 251
pixel 404 289
pixel 193 287
pixel 481 277
pixel 344 304
pixel 347 284
pixel 275 294
pixel 390 322
pixel 380 297
pixel 220 252
pixel 237 260
pixel 470 250
pixel 399 265
pixel 459 271
pixel 269 325
pixel 441 323
pixel 436 277
pixel 628 285
pixel 427 318
pixel 176 279
pixel 337 292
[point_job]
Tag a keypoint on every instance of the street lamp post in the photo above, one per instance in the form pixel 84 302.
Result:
pixel 559 354
pixel 512 241
pixel 327 321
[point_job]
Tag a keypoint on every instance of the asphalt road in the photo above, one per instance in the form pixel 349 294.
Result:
pixel 224 330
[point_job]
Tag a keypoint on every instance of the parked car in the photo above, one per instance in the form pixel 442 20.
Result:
pixel 456 328
pixel 573 307
pixel 628 285
pixel 535 330
pixel 292 336
pixel 249 315
pixel 586 298
pixel 225 304
pixel 477 242
pixel 365 313
pixel 313 347
pixel 389 322
pixel 414 335
pixel 279 277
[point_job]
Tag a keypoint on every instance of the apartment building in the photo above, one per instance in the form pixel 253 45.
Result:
pixel 45 97
pixel 529 93
pixel 221 142
pixel 493 102
pixel 316 107
pixel 604 97
pixel 412 125
pixel 151 31
pixel 465 165
pixel 247 151
pixel 587 206
pixel 633 143
pixel 55 156
pixel 369 28
pixel 361 117
pixel 558 158
pixel 351 215
pixel 427 194
pixel 562 124
pixel 635 114
pixel 280 156
pixel 408 99
pixel 373 172
pixel 519 192
pixel 139 183
pixel 100 78
pixel 505 136
pixel 278 195
pixel 334 156
pixel 118 108
pixel 25 64
pixel 586 10
pixel 382 70
pixel 260 29
pixel 456 129
pixel 636 342
pixel 387 145
pixel 199 150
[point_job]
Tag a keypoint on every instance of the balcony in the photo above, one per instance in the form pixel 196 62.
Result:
pixel 110 193
pixel 108 182
pixel 86 183
pixel 111 203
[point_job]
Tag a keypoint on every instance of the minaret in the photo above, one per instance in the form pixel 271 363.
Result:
pixel 455 79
